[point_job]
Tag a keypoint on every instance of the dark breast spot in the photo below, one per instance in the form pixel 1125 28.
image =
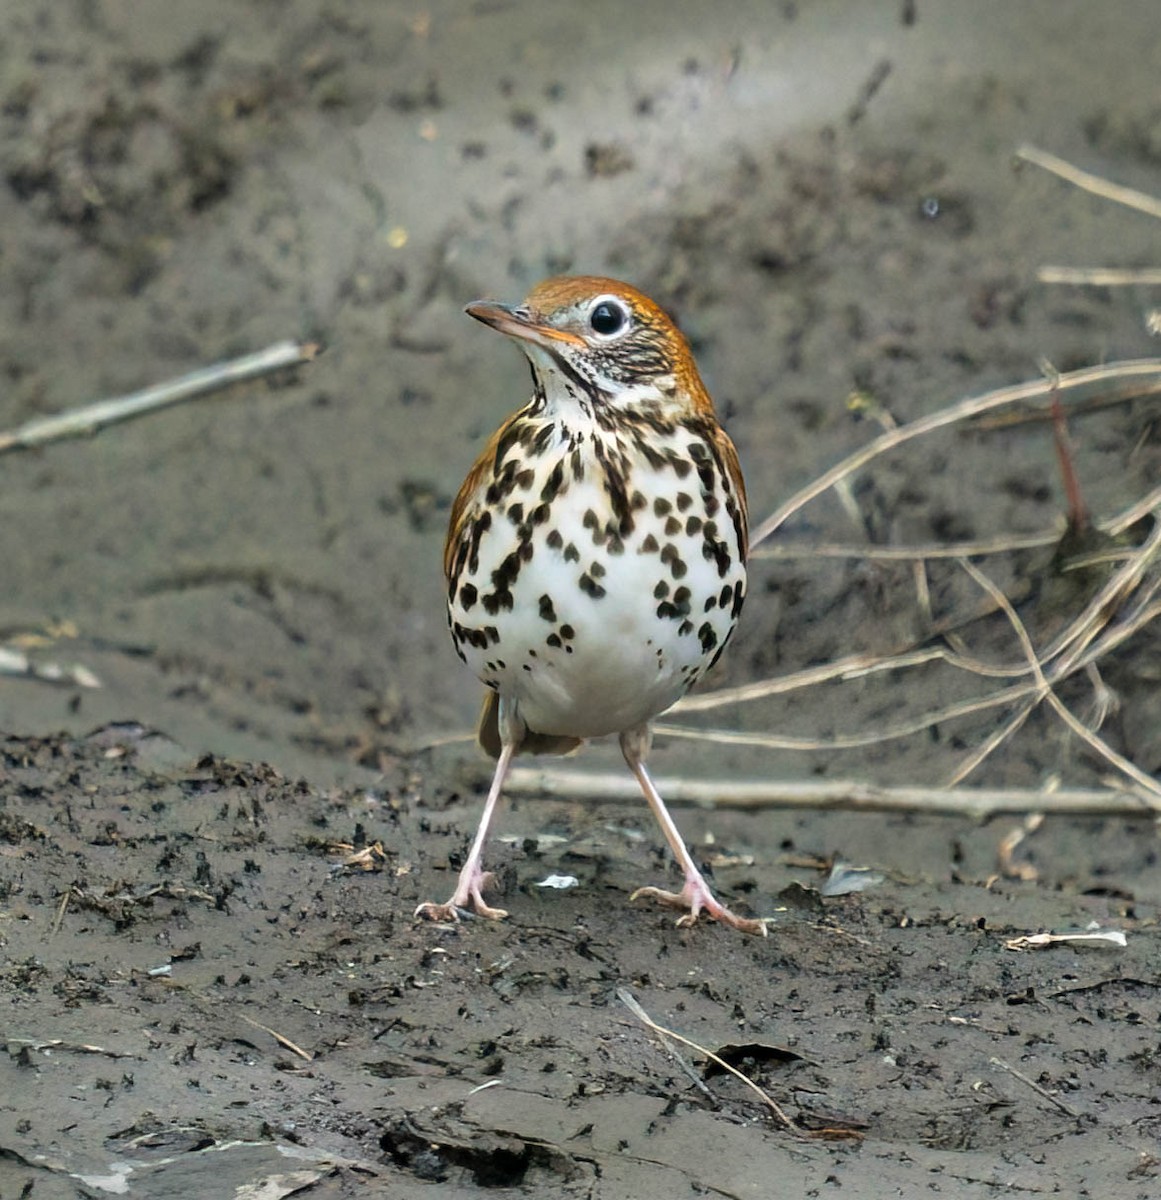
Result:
pixel 480 526
pixel 739 596
pixel 590 586
pixel 508 570
pixel 551 488
pixel 672 557
pixel 497 601
pixel 677 609
pixel 475 638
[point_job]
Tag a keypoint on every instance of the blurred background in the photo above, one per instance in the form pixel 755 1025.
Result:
pixel 825 196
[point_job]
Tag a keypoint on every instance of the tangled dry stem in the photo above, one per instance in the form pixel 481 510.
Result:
pixel 1127 602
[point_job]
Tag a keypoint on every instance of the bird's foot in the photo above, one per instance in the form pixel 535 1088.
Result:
pixel 468 897
pixel 696 898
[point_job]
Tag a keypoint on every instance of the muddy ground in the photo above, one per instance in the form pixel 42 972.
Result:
pixel 201 991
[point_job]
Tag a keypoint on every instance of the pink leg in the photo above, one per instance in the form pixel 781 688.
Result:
pixel 695 897
pixel 473 878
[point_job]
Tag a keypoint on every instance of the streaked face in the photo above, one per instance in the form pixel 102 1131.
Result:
pixel 607 337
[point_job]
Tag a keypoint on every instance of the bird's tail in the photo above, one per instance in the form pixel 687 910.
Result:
pixel 488 734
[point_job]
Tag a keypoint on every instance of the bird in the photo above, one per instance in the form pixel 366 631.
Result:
pixel 595 556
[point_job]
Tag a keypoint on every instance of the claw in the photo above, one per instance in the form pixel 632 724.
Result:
pixel 453 912
pixel 696 898
pixel 468 898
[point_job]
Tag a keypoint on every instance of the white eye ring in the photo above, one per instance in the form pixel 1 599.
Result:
pixel 608 317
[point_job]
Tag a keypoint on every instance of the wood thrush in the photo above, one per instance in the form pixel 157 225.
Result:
pixel 596 554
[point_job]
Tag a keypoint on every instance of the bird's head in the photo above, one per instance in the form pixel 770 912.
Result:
pixel 605 337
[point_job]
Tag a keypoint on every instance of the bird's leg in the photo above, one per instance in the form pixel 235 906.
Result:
pixel 473 878
pixel 695 897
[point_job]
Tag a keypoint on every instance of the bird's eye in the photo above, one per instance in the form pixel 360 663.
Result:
pixel 608 318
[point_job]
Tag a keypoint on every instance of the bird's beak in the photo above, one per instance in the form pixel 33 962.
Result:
pixel 520 323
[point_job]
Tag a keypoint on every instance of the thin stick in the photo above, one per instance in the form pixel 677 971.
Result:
pixel 1018 718
pixel 1098 610
pixel 970 407
pixel 924 550
pixel 1045 692
pixel 1039 411
pixel 61 909
pixel 1089 650
pixel 850 741
pixel 1129 197
pixel 1115 524
pixel 626 998
pixel 1024 1079
pixel 278 1037
pixel 846 795
pixel 993 742
pixel 852 667
pixel 1101 276
pixel 1131 515
pixel 93 417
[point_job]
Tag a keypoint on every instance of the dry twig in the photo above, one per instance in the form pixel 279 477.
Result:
pixel 1044 691
pixel 305 1055
pixel 848 795
pixel 1024 1079
pixel 955 414
pixel 1101 276
pixel 627 999
pixel 93 417
pixel 1129 197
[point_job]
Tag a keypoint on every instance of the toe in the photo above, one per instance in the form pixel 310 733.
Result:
pixel 437 912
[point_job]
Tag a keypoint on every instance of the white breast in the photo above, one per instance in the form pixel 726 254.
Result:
pixel 592 623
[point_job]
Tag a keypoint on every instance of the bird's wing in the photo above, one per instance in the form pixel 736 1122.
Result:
pixel 463 506
pixel 729 458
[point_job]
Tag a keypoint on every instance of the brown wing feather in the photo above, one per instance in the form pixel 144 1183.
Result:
pixel 729 458
pixel 690 382
pixel 462 504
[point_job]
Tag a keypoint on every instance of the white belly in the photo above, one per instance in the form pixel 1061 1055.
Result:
pixel 600 628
